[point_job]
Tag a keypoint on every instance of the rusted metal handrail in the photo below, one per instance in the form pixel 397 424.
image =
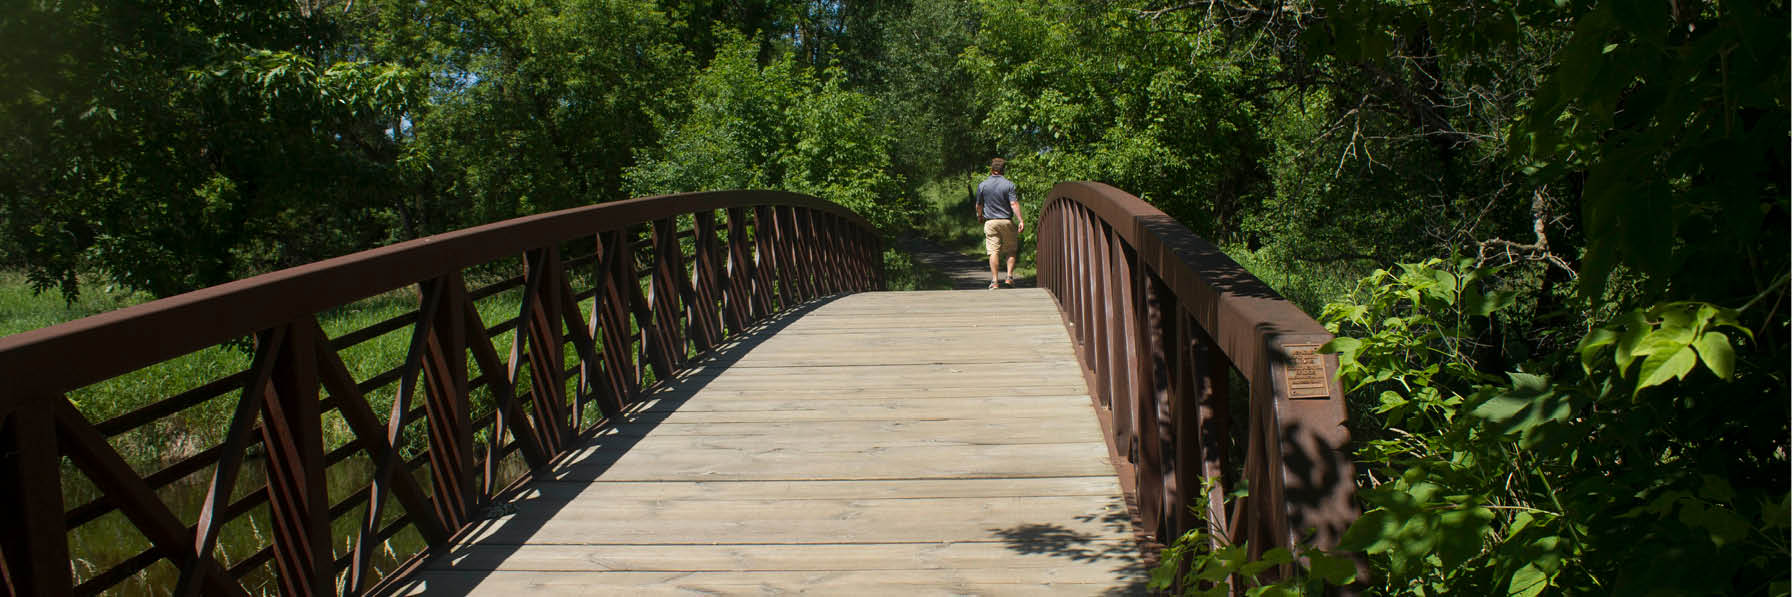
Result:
pixel 703 282
pixel 1162 318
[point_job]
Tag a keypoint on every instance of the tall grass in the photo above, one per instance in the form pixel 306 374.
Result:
pixel 1307 284
pixel 22 309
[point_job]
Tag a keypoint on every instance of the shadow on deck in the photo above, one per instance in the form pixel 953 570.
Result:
pixel 877 443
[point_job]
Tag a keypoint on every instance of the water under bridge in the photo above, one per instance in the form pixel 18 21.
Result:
pixel 702 393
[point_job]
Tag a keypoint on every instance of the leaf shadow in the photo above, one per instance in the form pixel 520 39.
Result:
pixel 1080 546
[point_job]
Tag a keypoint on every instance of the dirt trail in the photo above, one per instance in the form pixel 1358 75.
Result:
pixel 965 272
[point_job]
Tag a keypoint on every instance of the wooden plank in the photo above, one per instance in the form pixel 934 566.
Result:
pixel 894 413
pixel 986 375
pixel 943 462
pixel 928 320
pixel 889 372
pixel 871 513
pixel 1105 485
pixel 982 338
pixel 1012 431
pixel 758 557
pixel 874 443
pixel 922 326
pixel 949 298
pixel 873 408
pixel 577 531
pixel 896 583
pixel 864 392
pixel 1029 310
pixel 836 350
pixel 847 357
pixel 850 439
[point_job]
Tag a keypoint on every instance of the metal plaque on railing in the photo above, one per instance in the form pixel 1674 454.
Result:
pixel 1305 372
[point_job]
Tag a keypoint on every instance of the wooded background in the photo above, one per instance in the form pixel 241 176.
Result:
pixel 1578 382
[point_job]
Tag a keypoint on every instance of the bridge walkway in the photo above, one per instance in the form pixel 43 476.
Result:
pixel 910 443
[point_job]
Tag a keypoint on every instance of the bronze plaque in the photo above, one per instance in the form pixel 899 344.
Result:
pixel 1305 372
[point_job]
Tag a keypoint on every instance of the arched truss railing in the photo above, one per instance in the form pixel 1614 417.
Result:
pixel 666 281
pixel 1162 319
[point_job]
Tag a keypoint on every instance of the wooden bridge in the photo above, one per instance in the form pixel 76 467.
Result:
pixel 706 394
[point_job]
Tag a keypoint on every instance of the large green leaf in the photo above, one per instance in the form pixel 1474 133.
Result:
pixel 1590 345
pixel 1502 408
pixel 1529 402
pixel 1334 570
pixel 1663 366
pixel 1635 328
pixel 1343 346
pixel 1460 533
pixel 1528 581
pixel 1373 532
pixel 1715 351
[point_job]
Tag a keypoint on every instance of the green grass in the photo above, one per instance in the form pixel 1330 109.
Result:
pixel 22 309
pixel 1307 284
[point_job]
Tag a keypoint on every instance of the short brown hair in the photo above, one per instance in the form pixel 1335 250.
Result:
pixel 998 165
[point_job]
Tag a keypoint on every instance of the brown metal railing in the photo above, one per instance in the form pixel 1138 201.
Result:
pixel 1163 322
pixel 703 281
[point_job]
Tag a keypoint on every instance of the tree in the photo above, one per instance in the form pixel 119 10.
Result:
pixel 181 146
pixel 1074 90
pixel 917 81
pixel 777 127
pixel 529 114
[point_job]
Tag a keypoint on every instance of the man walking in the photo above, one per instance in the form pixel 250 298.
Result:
pixel 998 205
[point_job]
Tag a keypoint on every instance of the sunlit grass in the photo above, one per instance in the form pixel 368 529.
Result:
pixel 1307 284
pixel 23 309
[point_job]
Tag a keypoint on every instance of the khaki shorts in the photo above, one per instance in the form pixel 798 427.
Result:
pixel 998 237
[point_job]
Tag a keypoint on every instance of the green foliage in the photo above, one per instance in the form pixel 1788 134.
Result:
pixel 779 126
pixel 22 310
pixel 1696 96
pixel 945 217
pixel 189 147
pixel 1594 403
pixel 918 84
pixel 1666 121
pixel 1614 467
pixel 1074 90
pixel 1204 563
pixel 530 113
pixel 1307 284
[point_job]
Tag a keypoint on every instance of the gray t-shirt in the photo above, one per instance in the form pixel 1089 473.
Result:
pixel 996 192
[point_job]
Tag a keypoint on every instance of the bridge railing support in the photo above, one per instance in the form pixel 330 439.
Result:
pixel 664 282
pixel 1164 323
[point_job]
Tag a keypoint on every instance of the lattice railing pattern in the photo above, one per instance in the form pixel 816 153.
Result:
pixel 1165 323
pixel 650 284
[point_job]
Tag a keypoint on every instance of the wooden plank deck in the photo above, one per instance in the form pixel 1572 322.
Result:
pixel 896 443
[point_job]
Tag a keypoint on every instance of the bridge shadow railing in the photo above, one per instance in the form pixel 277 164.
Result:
pixel 1165 324
pixel 665 278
